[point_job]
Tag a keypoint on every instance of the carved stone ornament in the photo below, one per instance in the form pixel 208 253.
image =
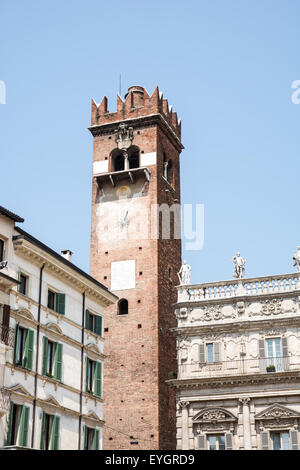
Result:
pixel 212 313
pixel 183 404
pixel 214 419
pixel 182 313
pixel 124 136
pixel 278 415
pixel 240 306
pixel 274 307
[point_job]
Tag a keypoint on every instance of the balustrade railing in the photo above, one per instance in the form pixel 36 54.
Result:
pixel 232 288
pixel 237 367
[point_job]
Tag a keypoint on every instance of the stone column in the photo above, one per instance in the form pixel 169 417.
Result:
pixel 184 405
pixel 246 423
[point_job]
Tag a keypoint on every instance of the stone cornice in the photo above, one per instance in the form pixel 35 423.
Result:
pixel 38 256
pixel 233 381
pixel 236 326
pixel 137 123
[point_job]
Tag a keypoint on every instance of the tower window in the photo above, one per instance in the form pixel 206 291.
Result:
pixel 134 160
pixel 119 163
pixel 123 307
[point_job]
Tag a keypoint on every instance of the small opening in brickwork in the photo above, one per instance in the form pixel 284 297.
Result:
pixel 143 399
pixel 106 252
pixel 141 273
pixel 122 365
pixel 139 325
pixel 109 137
pixel 139 301
pixel 122 401
pixel 106 330
pixel 143 363
pixel 121 419
pixel 138 132
pixel 152 435
pixel 110 438
pixel 123 307
pixel 142 417
pixel 105 158
pixel 105 277
pixel 143 381
pixel 142 151
pixel 142 345
pixel 140 247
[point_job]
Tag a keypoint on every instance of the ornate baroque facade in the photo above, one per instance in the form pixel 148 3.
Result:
pixel 238 351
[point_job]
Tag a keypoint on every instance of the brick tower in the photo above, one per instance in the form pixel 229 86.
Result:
pixel 135 167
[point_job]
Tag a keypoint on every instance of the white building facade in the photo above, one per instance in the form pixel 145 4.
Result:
pixel 51 346
pixel 238 379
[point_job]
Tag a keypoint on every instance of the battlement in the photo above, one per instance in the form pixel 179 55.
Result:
pixel 136 103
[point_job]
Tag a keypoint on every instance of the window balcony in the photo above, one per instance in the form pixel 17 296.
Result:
pixel 238 367
pixel 7 336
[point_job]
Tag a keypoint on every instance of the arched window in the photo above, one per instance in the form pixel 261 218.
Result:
pixel 123 307
pixel 118 162
pixel 134 160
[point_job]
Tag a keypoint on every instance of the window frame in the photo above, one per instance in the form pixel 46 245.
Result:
pixel 2 249
pixel 217 436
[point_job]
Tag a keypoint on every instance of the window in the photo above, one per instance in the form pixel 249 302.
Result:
pixel 119 163
pixel 56 301
pixel 216 442
pixel 93 322
pixel 280 440
pixel 93 378
pixel 50 432
pixel 22 287
pixel 52 359
pixel 123 307
pixel 23 353
pixel 1 250
pixel 134 160
pixel 209 352
pixel 18 422
pixel 273 354
pixel 91 438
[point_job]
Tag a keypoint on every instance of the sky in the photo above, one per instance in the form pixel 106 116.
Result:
pixel 226 67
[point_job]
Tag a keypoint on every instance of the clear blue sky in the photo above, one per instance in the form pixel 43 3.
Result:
pixel 226 66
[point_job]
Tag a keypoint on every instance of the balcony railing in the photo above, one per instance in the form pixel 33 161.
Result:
pixel 232 288
pixel 7 335
pixel 238 367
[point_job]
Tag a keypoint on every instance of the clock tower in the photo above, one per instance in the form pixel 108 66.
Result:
pixel 136 190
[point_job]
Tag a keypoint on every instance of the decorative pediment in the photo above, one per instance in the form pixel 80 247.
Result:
pixel 277 412
pixel 91 415
pixel 19 390
pixel 209 414
pixel 51 401
pixel 24 312
pixel 91 347
pixel 54 327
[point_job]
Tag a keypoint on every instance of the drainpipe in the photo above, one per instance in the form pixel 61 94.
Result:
pixel 37 355
pixel 81 374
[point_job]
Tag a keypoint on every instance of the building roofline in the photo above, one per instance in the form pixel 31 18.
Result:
pixel 11 215
pixel 26 236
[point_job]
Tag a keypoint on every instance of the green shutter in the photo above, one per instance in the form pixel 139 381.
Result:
pixel 24 423
pixel 42 446
pixel 58 361
pixel 55 433
pixel 98 325
pixel 45 353
pixel 19 279
pixel 98 379
pixel 28 356
pixel 17 342
pixel 9 431
pixel 86 373
pixel 60 300
pixel 96 439
pixel 87 319
pixel 85 432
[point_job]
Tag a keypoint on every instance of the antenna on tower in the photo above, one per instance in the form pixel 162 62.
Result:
pixel 120 85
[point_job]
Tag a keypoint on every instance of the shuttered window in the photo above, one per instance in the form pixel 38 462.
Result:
pixel 93 378
pixel 18 423
pixel 23 352
pixel 50 432
pixel 209 352
pixel 52 359
pixel 93 322
pixel 56 302
pixel 91 438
